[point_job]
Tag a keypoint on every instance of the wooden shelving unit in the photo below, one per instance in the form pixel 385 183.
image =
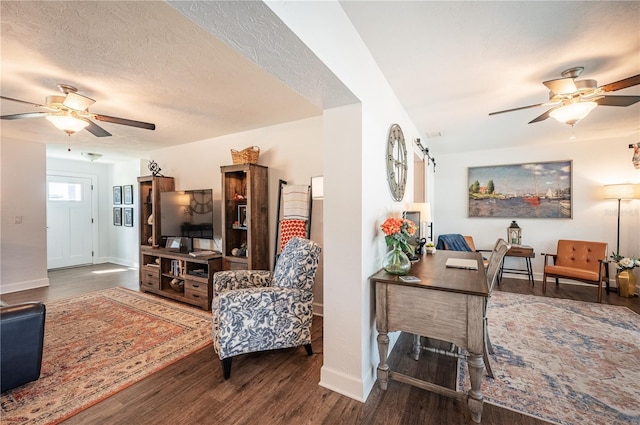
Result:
pixel 149 190
pixel 245 216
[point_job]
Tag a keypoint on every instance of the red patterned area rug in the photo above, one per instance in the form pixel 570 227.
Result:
pixel 100 343
pixel 563 361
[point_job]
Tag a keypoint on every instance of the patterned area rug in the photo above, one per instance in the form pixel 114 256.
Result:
pixel 100 343
pixel 563 361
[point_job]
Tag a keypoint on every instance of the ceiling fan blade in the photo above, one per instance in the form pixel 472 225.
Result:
pixel 622 84
pixel 95 129
pixel 561 86
pixel 617 100
pixel 518 109
pixel 124 121
pixel 77 101
pixel 25 115
pixel 22 101
pixel 541 117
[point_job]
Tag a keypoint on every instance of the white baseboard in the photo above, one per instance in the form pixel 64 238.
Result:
pixel 337 381
pixel 318 309
pixel 123 262
pixel 22 286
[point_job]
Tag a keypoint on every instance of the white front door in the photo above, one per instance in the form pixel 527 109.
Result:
pixel 69 221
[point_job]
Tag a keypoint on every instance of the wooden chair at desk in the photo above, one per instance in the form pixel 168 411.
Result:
pixel 495 260
pixel 492 269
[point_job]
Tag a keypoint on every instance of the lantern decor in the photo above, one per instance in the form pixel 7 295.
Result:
pixel 514 233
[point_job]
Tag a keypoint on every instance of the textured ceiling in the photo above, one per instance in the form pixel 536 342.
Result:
pixel 452 63
pixel 146 61
pixel 204 69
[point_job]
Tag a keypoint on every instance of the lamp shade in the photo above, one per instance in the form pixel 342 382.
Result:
pixel 622 191
pixel 424 208
pixel 317 187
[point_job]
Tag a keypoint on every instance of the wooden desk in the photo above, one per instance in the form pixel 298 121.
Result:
pixel 447 304
pixel 521 251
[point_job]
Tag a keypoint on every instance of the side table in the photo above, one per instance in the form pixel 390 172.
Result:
pixel 521 251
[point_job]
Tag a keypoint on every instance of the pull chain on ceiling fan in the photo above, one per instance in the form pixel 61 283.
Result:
pixel 573 100
pixel 70 113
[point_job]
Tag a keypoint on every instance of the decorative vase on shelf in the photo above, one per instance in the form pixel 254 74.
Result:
pixel 396 262
pixel 626 282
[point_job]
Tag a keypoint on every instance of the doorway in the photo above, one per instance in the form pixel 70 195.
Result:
pixel 69 220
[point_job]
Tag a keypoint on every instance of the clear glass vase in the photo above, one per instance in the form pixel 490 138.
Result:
pixel 396 262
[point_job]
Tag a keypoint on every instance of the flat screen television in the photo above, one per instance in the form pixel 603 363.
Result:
pixel 187 213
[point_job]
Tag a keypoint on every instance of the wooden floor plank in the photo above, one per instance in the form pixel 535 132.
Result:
pixel 281 387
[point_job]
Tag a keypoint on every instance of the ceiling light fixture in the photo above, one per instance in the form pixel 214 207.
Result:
pixel 573 112
pixel 67 122
pixel 92 156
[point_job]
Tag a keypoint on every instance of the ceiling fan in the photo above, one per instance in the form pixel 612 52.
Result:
pixel 70 113
pixel 572 99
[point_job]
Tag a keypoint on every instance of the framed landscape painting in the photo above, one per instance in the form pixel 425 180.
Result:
pixel 530 190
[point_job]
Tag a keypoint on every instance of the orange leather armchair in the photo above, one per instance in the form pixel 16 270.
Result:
pixel 583 261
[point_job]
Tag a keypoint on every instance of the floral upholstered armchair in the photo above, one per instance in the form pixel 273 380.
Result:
pixel 258 310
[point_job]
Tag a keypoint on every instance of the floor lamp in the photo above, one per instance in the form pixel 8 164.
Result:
pixel 620 192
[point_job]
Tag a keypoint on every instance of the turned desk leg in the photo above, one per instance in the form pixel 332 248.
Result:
pixel 383 368
pixel 416 347
pixel 474 399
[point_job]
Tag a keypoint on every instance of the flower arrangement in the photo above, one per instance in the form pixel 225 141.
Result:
pixel 625 263
pixel 397 233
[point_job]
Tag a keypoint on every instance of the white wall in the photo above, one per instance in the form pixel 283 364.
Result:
pixel 357 198
pixel 23 248
pixel 125 241
pixel 595 163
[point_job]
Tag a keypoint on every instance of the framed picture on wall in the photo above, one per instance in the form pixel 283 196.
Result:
pixel 128 194
pixel 528 190
pixel 117 195
pixel 117 216
pixel 128 217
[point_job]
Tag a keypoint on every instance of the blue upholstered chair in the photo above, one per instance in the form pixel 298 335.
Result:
pixel 258 310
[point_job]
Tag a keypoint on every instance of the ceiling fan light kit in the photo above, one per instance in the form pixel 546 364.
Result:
pixel 573 112
pixel 572 100
pixel 66 122
pixel 70 113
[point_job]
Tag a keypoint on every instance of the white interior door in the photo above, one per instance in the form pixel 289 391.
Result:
pixel 69 221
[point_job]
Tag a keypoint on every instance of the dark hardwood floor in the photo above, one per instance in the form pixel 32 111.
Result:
pixel 281 387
